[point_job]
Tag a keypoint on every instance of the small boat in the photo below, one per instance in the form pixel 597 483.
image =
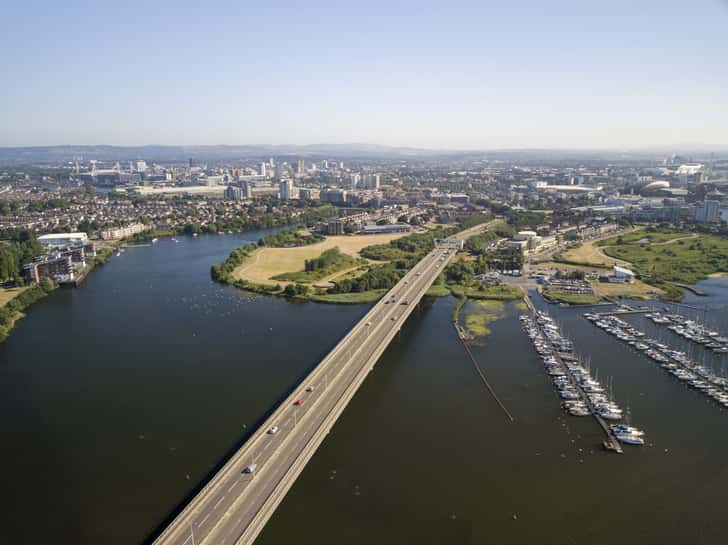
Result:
pixel 630 438
pixel 155 240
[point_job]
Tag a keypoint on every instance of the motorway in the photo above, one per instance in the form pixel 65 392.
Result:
pixel 233 507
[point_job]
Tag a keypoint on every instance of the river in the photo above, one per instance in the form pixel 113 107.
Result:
pixel 117 399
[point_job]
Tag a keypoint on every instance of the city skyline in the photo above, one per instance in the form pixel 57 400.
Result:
pixel 471 77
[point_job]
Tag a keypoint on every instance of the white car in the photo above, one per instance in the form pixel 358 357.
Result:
pixel 273 430
pixel 310 388
pixel 249 468
pixel 394 318
pixel 419 273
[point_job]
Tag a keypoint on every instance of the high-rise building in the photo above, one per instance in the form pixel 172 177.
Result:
pixel 708 212
pixel 141 166
pixel 333 195
pixel 246 190
pixel 233 193
pixel 371 181
pixel 262 169
pixel 286 189
pixel 300 167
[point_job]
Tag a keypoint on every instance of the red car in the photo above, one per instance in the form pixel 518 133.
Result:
pixel 298 402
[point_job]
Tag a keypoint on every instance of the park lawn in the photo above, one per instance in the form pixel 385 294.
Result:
pixel 343 263
pixel 653 237
pixel 685 261
pixel 8 294
pixel 265 263
pixel 589 254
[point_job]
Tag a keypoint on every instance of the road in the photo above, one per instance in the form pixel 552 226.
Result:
pixel 234 506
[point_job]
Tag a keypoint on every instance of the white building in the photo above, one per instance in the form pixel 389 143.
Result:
pixel 61 240
pixel 622 275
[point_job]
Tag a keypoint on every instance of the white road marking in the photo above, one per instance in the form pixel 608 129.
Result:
pixel 218 503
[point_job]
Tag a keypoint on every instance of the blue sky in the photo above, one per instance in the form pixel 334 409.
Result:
pixel 516 74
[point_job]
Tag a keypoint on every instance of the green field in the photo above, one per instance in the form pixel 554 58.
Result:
pixel 685 261
pixel 7 294
pixel 499 293
pixel 571 298
pixel 328 263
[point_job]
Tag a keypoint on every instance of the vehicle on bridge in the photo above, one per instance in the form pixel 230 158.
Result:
pixel 250 468
pixel 273 430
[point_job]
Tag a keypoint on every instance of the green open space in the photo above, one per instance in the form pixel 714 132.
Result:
pixel 685 261
pixel 329 262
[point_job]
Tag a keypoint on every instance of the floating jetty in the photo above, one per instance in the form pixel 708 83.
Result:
pixel 692 331
pixel 675 362
pixel 582 394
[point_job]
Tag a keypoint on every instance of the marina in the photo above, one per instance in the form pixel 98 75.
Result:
pixel 582 394
pixel 698 376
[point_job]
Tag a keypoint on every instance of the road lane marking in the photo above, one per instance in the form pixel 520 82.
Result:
pixel 214 508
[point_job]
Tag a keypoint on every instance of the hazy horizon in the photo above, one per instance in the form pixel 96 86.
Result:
pixel 468 77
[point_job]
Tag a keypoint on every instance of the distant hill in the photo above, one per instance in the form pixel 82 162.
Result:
pixel 164 154
pixel 56 154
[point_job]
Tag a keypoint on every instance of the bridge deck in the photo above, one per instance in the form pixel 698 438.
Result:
pixel 234 506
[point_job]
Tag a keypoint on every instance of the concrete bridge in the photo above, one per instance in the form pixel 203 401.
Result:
pixel 234 506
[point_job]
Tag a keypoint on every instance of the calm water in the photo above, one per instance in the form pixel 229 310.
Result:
pixel 119 397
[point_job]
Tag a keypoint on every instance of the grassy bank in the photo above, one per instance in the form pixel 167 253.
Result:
pixel 146 236
pixel 351 298
pixel 570 298
pixel 12 310
pixel 496 293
